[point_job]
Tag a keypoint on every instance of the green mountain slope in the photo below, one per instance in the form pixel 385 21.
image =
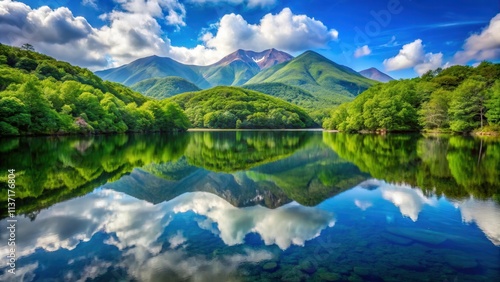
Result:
pixel 164 87
pixel 319 76
pixel 233 107
pixel 291 94
pixel 40 95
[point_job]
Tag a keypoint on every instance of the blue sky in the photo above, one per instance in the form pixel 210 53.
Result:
pixel 403 38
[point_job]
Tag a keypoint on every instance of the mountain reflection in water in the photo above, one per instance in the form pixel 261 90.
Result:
pixel 255 206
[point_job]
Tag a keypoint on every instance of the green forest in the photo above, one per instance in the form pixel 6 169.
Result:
pixel 40 95
pixel 234 107
pixel 455 99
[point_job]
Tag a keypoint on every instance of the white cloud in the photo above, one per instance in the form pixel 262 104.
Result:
pixel 362 51
pixel 90 3
pixel 248 3
pixel 285 31
pixel 482 46
pixel 410 201
pixel 283 226
pixel 177 240
pixel 486 214
pixel 413 55
pixel 363 205
pixel 133 31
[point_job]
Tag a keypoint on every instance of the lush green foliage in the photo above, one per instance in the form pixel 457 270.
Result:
pixel 232 107
pixel 459 98
pixel 234 151
pixel 39 95
pixel 457 167
pixel 52 169
pixel 324 79
pixel 164 87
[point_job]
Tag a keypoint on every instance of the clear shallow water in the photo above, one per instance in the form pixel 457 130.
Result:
pixel 294 206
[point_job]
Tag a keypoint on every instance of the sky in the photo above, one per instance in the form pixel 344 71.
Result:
pixel 403 38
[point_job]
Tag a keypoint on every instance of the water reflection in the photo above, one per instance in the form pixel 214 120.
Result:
pixel 255 206
pixel 486 214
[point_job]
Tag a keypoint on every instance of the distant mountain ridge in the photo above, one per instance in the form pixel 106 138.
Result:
pixel 234 69
pixel 375 74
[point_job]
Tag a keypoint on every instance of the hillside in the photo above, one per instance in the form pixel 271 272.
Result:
pixel 319 76
pixel 232 107
pixel 164 87
pixel 291 94
pixel 40 95
pixel 234 69
pixel 375 74
pixel 459 99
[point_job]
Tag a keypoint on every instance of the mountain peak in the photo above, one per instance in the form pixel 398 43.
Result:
pixel 375 74
pixel 264 59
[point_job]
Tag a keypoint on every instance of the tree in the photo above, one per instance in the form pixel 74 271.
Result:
pixel 493 104
pixel 467 108
pixel 28 47
pixel 434 113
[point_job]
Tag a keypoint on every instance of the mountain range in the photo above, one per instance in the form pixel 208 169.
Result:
pixel 234 69
pixel 309 80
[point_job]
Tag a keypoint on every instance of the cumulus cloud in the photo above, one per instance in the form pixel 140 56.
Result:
pixel 413 55
pixel 284 226
pixel 482 46
pixel 362 51
pixel 410 201
pixel 133 31
pixel 285 31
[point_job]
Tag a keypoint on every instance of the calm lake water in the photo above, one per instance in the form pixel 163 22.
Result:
pixel 253 206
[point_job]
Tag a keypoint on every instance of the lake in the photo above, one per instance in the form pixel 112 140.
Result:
pixel 253 206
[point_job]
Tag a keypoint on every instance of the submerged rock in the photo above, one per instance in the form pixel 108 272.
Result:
pixel 419 235
pixel 307 267
pixel 270 266
pixel 329 276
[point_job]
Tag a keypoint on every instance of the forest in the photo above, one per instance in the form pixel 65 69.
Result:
pixel 40 95
pixel 456 99
pixel 234 107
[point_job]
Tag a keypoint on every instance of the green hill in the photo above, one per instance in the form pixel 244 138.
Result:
pixel 164 87
pixel 40 95
pixel 319 76
pixel 233 107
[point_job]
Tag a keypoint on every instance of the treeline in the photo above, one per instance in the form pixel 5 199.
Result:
pixel 233 107
pixel 459 99
pixel 40 95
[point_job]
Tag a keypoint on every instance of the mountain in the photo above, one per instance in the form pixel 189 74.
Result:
pixel 375 74
pixel 241 65
pixel 151 67
pixel 316 74
pixel 164 87
pixel 234 69
pixel 234 107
